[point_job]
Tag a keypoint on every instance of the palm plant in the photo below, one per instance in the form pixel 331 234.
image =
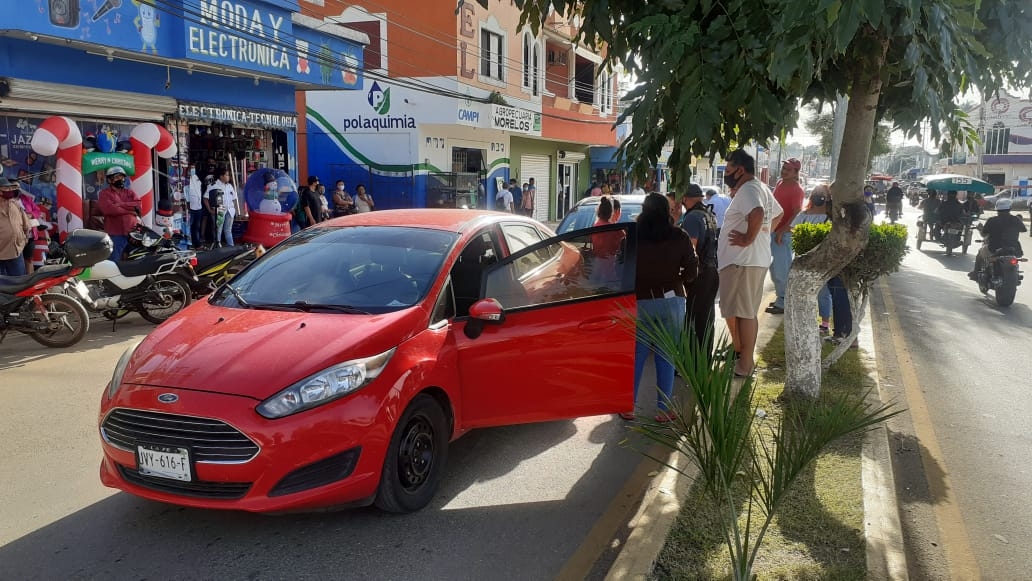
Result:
pixel 739 462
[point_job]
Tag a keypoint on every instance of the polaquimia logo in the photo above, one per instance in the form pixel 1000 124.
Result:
pixel 380 100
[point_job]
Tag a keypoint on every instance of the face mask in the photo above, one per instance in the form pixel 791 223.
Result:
pixel 340 188
pixel 193 172
pixel 118 183
pixel 9 195
pixel 729 180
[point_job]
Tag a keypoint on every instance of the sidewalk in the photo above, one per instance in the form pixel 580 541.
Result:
pixel 661 503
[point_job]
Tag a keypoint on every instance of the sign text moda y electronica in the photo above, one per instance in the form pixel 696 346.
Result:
pixel 234 32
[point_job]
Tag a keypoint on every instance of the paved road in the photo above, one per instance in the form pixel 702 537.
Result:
pixel 516 503
pixel 961 365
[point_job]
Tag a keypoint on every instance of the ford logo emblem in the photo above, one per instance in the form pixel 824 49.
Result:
pixel 168 398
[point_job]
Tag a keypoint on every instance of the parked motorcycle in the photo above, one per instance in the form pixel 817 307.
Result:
pixel 156 286
pixel 213 267
pixel 30 304
pixel 1002 275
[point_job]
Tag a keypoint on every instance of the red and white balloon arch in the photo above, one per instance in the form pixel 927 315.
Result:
pixel 61 136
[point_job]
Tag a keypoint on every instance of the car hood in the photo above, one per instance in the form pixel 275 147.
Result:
pixel 257 353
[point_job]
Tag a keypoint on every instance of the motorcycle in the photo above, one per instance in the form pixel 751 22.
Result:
pixel 894 211
pixel 1001 274
pixel 952 236
pixel 213 267
pixel 156 286
pixel 30 304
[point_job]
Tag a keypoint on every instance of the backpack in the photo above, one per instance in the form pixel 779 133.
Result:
pixel 299 208
pixel 707 250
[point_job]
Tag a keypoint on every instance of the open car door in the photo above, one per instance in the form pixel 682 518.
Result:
pixel 552 335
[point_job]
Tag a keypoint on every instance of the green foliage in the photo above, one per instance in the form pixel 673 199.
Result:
pixel 740 464
pixel 713 75
pixel 883 255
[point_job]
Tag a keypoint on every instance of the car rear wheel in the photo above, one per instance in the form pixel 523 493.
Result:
pixel 416 458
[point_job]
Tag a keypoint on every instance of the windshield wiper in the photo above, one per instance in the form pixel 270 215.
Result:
pixel 238 296
pixel 309 307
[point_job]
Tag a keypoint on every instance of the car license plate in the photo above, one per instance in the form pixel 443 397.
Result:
pixel 169 462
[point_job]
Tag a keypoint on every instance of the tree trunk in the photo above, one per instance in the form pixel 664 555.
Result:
pixel 849 231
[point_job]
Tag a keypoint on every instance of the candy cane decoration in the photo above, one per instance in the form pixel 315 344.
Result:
pixel 61 135
pixel 144 138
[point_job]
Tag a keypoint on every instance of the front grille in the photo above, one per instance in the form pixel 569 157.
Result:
pixel 319 473
pixel 208 440
pixel 199 489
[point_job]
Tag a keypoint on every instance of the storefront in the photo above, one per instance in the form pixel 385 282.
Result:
pixel 559 170
pixel 220 77
pixel 410 148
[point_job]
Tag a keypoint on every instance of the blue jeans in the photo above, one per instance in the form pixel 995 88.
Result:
pixel 196 225
pixel 227 229
pixel 841 312
pixel 781 262
pixel 668 312
pixel 824 303
pixel 118 245
pixel 12 266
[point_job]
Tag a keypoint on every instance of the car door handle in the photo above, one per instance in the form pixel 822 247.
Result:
pixel 597 324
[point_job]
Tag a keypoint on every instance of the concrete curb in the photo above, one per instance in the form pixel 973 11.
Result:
pixel 883 533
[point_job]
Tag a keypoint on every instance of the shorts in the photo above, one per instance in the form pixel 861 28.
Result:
pixel 741 291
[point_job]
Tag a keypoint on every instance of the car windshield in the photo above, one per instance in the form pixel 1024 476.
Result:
pixel 583 216
pixel 352 270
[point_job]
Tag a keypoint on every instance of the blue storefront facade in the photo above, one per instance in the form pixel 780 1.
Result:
pixel 221 76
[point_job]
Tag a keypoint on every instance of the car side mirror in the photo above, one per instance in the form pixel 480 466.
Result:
pixel 481 313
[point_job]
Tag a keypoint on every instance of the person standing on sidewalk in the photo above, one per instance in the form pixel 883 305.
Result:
pixel 701 226
pixel 789 195
pixel 14 230
pixel 666 266
pixel 743 255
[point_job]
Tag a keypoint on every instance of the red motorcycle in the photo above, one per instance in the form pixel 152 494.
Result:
pixel 50 318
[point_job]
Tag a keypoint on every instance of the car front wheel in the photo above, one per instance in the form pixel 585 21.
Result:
pixel 415 460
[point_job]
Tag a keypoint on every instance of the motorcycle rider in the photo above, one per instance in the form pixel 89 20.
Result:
pixel 1000 231
pixel 121 210
pixel 950 210
pixel 930 208
pixel 894 200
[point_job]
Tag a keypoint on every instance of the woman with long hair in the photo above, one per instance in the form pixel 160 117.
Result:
pixel 606 245
pixel 666 265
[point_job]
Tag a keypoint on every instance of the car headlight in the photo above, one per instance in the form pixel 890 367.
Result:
pixel 325 386
pixel 123 362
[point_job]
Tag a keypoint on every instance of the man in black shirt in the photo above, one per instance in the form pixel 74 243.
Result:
pixel 950 210
pixel 701 226
pixel 894 201
pixel 1000 231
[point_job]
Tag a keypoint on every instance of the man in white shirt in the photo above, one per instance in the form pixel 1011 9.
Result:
pixel 225 201
pixel 743 255
pixel 638 190
pixel 503 200
pixel 194 195
pixel 719 202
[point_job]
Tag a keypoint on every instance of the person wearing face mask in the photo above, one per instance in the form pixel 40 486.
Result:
pixel 743 255
pixel 120 208
pixel 14 228
pixel 343 205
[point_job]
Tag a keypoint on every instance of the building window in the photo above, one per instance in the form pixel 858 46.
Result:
pixel 531 64
pixel 492 57
pixel 996 140
pixel 605 93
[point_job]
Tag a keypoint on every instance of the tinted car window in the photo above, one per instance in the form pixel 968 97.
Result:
pixel 583 216
pixel 372 268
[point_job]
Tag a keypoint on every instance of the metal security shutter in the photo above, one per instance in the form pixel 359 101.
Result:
pixel 53 98
pixel 538 167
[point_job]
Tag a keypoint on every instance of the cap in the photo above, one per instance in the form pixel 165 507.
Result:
pixel 6 184
pixel 693 191
pixel 312 179
pixel 115 170
pixel 1003 204
pixel 792 163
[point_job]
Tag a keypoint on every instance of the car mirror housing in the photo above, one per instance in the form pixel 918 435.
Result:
pixel 488 310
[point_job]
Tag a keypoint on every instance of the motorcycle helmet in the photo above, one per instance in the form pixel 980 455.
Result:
pixel 1003 204
pixel 115 170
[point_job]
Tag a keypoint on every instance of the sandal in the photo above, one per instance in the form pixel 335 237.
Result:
pixel 665 417
pixel 626 416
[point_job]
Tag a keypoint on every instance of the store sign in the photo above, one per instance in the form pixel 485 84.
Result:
pixel 472 114
pixel 237 116
pixel 139 25
pixel 512 119
pixel 379 99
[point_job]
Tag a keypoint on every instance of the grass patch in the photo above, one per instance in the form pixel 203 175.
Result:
pixel 818 531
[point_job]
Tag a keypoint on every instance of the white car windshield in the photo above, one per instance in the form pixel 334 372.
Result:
pixel 358 269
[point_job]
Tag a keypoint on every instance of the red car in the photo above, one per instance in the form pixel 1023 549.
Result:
pixel 336 368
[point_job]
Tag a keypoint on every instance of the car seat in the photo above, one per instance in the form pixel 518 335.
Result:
pixel 385 279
